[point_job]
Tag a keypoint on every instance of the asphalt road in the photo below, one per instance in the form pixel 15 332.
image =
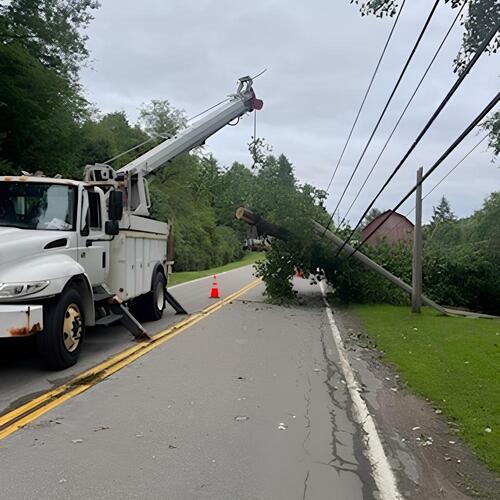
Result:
pixel 22 377
pixel 248 403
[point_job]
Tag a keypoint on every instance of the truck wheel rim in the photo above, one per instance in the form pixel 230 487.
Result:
pixel 72 327
pixel 160 298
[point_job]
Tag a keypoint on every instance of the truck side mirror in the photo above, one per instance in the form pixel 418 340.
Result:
pixel 111 227
pixel 115 208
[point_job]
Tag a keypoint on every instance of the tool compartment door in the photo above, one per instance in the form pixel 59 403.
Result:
pixel 134 255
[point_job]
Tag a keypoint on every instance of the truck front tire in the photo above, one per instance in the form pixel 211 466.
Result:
pixel 60 341
pixel 150 307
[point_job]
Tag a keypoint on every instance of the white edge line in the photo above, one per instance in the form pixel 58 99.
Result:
pixel 374 450
pixel 210 276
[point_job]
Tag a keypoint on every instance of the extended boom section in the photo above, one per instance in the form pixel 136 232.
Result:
pixel 132 178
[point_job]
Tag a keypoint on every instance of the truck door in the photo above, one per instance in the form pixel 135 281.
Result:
pixel 93 243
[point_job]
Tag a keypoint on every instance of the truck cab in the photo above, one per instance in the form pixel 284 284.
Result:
pixel 55 246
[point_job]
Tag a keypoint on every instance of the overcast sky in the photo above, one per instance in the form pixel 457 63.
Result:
pixel 319 56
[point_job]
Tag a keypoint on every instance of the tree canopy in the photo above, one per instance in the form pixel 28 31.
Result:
pixel 478 19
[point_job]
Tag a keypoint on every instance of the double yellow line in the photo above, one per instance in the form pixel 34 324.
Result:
pixel 25 414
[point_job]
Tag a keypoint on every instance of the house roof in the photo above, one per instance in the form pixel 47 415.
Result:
pixel 383 214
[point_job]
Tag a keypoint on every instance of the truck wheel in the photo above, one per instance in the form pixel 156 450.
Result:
pixel 150 306
pixel 60 341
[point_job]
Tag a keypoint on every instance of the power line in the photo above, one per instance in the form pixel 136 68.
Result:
pixel 445 176
pixel 208 109
pixel 410 57
pixel 431 120
pixel 450 149
pixel 451 170
pixel 366 95
pixel 403 113
pixel 133 148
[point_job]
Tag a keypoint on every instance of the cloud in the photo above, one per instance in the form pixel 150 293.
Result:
pixel 320 57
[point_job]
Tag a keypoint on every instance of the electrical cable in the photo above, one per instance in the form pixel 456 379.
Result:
pixel 450 149
pixel 187 120
pixel 445 176
pixel 450 171
pixel 208 109
pixel 431 120
pixel 402 114
pixel 129 150
pixel 410 57
pixel 365 96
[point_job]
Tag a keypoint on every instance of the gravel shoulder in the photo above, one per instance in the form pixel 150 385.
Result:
pixel 428 457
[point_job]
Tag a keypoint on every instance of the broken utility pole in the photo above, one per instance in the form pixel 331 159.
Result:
pixel 272 230
pixel 266 228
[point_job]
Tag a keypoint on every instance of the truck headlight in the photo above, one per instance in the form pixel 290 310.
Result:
pixel 12 290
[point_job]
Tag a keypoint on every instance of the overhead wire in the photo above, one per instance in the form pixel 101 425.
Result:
pixel 389 100
pixel 440 160
pixel 450 171
pixel 187 120
pixel 446 176
pixel 426 127
pixel 365 95
pixel 438 50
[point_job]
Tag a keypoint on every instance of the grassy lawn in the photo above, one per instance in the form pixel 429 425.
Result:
pixel 455 362
pixel 182 277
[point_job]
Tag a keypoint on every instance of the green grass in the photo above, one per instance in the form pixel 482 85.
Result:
pixel 455 362
pixel 182 277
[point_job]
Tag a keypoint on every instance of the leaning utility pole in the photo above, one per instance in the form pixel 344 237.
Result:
pixel 416 293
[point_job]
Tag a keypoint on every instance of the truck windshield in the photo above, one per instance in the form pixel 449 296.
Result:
pixel 37 206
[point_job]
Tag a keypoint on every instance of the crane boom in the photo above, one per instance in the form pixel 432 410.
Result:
pixel 133 175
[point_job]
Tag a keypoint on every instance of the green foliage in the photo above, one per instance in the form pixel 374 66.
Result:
pixel 42 45
pixel 277 271
pixel 184 276
pixel 51 31
pixel 463 276
pixel 178 195
pixel 442 213
pixel 354 282
pixel 103 138
pixel 451 361
pixel 39 113
pixel 492 125
pixel 461 265
pixel 159 118
pixel 480 18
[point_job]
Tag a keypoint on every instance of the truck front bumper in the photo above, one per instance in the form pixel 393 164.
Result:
pixel 20 320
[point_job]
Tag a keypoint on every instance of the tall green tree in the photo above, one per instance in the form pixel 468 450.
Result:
pixel 160 118
pixel 39 114
pixel 52 31
pixel 442 213
pixel 109 136
pixel 42 46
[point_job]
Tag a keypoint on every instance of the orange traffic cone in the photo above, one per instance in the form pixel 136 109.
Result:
pixel 214 293
pixel 298 273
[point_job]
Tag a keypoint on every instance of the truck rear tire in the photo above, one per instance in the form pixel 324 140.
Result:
pixel 60 342
pixel 150 306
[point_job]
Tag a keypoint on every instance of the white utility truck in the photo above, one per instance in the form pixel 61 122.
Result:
pixel 75 254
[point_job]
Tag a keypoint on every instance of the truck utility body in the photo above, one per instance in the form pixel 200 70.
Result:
pixel 75 254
